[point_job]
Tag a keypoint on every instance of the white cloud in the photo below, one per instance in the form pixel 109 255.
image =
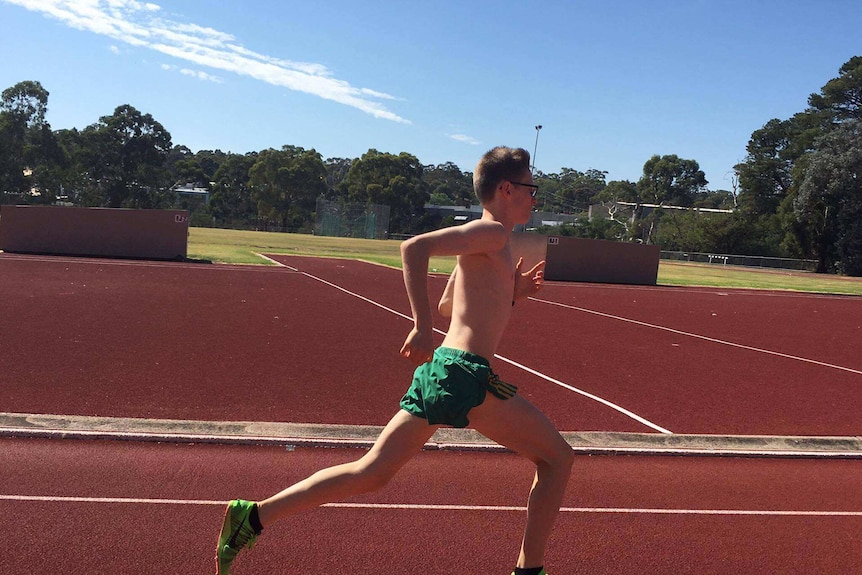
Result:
pixel 465 139
pixel 139 24
pixel 192 73
pixel 201 75
pixel 114 49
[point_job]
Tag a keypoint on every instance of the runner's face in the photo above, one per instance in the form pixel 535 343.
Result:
pixel 525 192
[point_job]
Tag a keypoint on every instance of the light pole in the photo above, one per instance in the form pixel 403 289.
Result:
pixel 536 147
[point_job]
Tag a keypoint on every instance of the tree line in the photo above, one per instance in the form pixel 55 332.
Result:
pixel 797 193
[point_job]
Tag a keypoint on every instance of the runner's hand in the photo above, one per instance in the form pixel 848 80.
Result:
pixel 418 347
pixel 530 282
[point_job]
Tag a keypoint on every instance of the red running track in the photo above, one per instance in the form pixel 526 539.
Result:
pixel 157 508
pixel 184 341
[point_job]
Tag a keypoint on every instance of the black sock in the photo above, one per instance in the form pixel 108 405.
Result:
pixel 254 519
pixel 528 570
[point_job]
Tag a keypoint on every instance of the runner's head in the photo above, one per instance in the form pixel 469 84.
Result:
pixel 499 164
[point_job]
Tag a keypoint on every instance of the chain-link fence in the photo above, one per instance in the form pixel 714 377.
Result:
pixel 351 220
pixel 737 260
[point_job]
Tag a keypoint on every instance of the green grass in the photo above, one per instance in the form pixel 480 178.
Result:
pixel 240 247
pixel 692 274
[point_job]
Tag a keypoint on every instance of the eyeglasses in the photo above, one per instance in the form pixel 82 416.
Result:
pixel 534 189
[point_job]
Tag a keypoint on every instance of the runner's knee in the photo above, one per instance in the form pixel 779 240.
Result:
pixel 372 476
pixel 561 458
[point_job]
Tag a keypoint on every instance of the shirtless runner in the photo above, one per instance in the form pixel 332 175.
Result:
pixel 454 384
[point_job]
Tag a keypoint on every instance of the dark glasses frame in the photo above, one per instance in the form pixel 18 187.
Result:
pixel 534 189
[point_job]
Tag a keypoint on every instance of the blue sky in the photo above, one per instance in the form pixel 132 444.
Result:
pixel 611 82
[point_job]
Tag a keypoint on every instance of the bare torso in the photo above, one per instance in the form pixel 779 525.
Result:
pixel 481 301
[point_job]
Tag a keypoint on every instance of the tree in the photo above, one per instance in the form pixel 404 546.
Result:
pixel 27 102
pixel 766 175
pixel 121 160
pixel 231 201
pixel 336 171
pixel 285 185
pixel 670 180
pixel 618 191
pixel 449 182
pixel 779 156
pixel 12 180
pixel 184 167
pixel 396 181
pixel 667 180
pixel 841 97
pixel 570 191
pixel 829 200
pixel 31 160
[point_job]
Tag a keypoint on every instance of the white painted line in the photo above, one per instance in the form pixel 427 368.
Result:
pixel 443 507
pixel 160 264
pixel 134 500
pixel 709 290
pixel 702 337
pixel 604 402
pixel 363 298
pixel 644 511
pixel 278 263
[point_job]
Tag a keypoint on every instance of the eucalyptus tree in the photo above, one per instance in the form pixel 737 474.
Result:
pixel 667 181
pixel 285 185
pixel 449 185
pixel 393 180
pixel 121 161
pixel 31 159
pixel 231 201
pixel 571 191
pixel 336 171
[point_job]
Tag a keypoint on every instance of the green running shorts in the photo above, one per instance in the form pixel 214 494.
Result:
pixel 445 389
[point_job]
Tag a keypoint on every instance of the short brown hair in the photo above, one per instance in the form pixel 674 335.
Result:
pixel 500 163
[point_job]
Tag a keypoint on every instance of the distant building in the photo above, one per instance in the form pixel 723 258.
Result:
pixel 538 219
pixel 192 190
pixel 460 214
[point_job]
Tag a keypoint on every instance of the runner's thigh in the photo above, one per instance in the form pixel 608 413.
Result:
pixel 517 424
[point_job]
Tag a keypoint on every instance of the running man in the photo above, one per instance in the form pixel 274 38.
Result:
pixel 454 384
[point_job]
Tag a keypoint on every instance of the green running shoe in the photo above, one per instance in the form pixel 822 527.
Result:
pixel 236 533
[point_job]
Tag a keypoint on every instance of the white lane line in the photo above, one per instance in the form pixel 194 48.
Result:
pixel 276 262
pixel 702 337
pixel 443 507
pixel 68 260
pixel 134 500
pixel 363 298
pixel 710 290
pixel 589 395
pixel 586 394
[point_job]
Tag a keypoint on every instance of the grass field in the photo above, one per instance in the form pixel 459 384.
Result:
pixel 241 247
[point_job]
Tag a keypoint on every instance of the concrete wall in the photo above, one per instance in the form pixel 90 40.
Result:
pixel 600 261
pixel 532 247
pixel 146 234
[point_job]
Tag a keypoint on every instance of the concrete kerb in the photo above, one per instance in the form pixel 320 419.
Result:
pixel 362 436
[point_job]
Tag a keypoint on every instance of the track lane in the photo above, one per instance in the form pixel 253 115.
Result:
pixel 123 339
pixel 622 514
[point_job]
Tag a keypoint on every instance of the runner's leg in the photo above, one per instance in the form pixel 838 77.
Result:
pixel 401 439
pixel 517 424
